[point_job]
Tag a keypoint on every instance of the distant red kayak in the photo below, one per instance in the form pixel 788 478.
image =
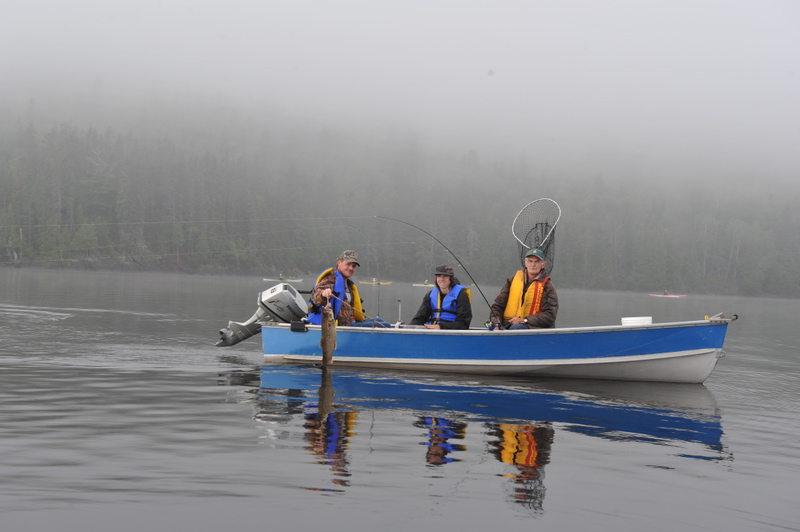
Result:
pixel 668 295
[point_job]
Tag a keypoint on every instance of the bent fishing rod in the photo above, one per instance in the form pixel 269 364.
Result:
pixel 446 249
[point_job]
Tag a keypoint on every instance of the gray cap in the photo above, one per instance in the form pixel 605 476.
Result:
pixel 444 269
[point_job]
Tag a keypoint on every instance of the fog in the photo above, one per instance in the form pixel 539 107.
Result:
pixel 696 87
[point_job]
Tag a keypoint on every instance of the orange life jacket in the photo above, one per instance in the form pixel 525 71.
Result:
pixel 520 305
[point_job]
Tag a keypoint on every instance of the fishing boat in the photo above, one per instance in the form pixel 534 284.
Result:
pixel 429 285
pixel 270 280
pixel 375 282
pixel 666 294
pixel 684 352
pixel 637 349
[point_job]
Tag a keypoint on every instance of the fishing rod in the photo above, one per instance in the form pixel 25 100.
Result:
pixel 446 249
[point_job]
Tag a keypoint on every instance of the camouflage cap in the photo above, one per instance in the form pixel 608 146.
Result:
pixel 444 269
pixel 349 256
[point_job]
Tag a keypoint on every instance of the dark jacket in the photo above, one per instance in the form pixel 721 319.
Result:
pixel 546 317
pixel 463 312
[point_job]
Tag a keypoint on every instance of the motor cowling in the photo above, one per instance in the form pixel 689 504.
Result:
pixel 280 303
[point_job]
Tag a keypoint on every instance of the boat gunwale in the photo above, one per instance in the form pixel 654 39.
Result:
pixel 515 332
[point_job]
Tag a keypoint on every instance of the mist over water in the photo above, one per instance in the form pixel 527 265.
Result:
pixel 623 87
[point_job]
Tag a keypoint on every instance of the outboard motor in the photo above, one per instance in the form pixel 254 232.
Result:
pixel 281 303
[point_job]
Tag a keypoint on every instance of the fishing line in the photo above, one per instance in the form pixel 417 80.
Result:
pixel 446 249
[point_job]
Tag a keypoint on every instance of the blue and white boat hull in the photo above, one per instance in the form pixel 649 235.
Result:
pixel 667 352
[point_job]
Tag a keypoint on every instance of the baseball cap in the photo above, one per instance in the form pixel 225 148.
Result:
pixel 536 252
pixel 349 256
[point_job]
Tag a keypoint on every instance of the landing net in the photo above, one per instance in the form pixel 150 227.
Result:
pixel 535 227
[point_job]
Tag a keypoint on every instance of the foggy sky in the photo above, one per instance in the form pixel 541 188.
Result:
pixel 699 87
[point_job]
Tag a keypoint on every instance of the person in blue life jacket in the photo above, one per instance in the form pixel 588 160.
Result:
pixel 528 300
pixel 334 285
pixel 448 306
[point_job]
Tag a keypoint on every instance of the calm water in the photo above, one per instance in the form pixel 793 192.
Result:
pixel 119 414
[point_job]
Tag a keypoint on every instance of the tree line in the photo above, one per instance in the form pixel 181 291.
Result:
pixel 246 195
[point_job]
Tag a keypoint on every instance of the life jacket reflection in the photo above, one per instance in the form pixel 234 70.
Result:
pixel 527 448
pixel 329 439
pixel 440 432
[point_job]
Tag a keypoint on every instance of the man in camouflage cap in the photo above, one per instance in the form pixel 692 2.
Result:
pixel 349 256
pixel 335 287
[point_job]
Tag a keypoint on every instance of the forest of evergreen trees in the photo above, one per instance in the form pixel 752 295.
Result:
pixel 220 191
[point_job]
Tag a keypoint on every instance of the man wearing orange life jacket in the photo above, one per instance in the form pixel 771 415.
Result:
pixel 528 300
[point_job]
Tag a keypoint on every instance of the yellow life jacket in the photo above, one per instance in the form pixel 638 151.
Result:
pixel 519 445
pixel 520 305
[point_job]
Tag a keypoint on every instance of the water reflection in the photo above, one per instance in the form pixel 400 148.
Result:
pixel 328 440
pixel 527 448
pixel 328 431
pixel 440 432
pixel 515 419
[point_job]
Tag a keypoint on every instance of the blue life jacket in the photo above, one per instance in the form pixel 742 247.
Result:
pixel 448 310
pixel 339 290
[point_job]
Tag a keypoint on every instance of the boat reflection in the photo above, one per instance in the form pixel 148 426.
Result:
pixel 517 419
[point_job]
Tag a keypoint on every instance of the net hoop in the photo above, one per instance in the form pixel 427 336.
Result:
pixel 535 227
